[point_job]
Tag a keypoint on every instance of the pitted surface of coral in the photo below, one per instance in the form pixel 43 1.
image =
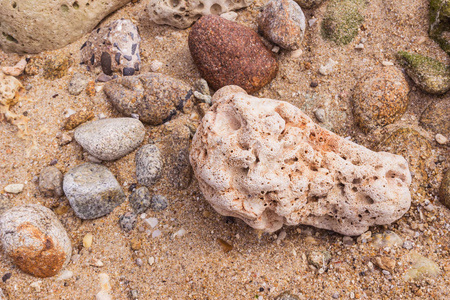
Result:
pixel 183 13
pixel 268 163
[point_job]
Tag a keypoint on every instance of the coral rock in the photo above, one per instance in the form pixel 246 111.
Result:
pixel 227 53
pixel 114 47
pixel 35 239
pixel 183 13
pixel 283 23
pixel 268 163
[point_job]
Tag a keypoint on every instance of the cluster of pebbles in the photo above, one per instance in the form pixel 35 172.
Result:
pixel 161 114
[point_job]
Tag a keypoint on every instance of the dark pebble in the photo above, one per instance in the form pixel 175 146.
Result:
pixel 313 84
pixel 53 162
pixel 106 63
pixel 128 71
pixel 6 277
pixel 104 78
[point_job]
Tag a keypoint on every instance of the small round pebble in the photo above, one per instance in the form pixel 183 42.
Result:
pixel 440 139
pixel 128 221
pixel 313 84
pixel 140 199
pixel 158 203
pixel 77 84
pixel 320 115
pixel 50 182
pixel 15 188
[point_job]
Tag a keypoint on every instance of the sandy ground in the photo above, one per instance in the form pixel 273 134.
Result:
pixel 196 265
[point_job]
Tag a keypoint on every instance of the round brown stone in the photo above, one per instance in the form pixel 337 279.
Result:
pixel 227 53
pixel 380 99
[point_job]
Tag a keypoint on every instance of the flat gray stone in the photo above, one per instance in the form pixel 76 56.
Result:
pixel 110 139
pixel 92 190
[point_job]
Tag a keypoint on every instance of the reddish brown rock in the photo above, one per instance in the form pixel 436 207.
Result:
pixel 227 53
pixel 35 239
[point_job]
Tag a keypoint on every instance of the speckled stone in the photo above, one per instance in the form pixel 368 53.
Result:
pixel 158 203
pixel 444 190
pixel 92 190
pixel 149 164
pixel 227 53
pixel 309 3
pixel 140 199
pixel 342 20
pixel 77 84
pixel 35 239
pixel 110 139
pixel 77 119
pixel 287 295
pixel 380 98
pixel 154 97
pixel 413 147
pixel 436 117
pixel 114 47
pixel 56 67
pixel 283 23
pixel 50 182
pixel 128 221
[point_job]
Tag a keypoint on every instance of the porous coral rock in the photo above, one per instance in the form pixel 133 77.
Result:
pixel 267 163
pixel 183 13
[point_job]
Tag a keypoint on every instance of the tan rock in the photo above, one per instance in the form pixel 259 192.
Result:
pixel 36 26
pixel 267 163
pixel 35 239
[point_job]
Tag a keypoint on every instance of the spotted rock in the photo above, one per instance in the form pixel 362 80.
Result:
pixel 154 97
pixel 114 48
pixel 35 239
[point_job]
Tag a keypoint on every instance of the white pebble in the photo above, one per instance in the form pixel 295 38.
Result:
pixel 387 63
pixel 66 274
pixel 87 240
pixel 230 16
pixel 151 260
pixel 36 285
pixel 14 188
pixel 360 46
pixel 312 21
pixel 69 112
pixel 143 216
pixel 327 68
pixel 180 233
pixel 152 222
pixel 155 65
pixel 156 233
pixel 98 88
pixel 439 138
pixel 276 49
pixel 296 53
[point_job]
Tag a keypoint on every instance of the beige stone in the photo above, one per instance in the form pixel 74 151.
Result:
pixel 267 163
pixel 36 26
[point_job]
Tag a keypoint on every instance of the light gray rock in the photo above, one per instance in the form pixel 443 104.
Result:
pixel 149 165
pixel 77 84
pixel 158 203
pixel 35 239
pixel 92 190
pixel 114 47
pixel 110 139
pixel 50 182
pixel 36 26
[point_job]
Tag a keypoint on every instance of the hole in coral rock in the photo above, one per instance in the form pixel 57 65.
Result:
pixel 356 181
pixel 177 17
pixel 369 200
pixel 354 189
pixel 174 3
pixel 64 8
pixel 14 5
pixel 75 5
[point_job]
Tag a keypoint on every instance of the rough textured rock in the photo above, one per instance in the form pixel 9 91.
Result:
pixel 92 190
pixel 430 75
pixel 444 190
pixel 110 139
pixel 380 99
pixel 149 165
pixel 114 47
pixel 35 239
pixel 283 23
pixel 128 221
pixel 50 182
pixel 440 23
pixel 140 199
pixel 309 3
pixel 183 13
pixel 436 117
pixel 36 26
pixel 342 20
pixel 266 162
pixel 78 118
pixel 227 53
pixel 412 146
pixel 55 67
pixel 159 202
pixel 155 97
pixel 173 139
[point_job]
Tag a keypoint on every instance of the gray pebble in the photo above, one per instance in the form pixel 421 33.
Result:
pixel 92 190
pixel 202 87
pixel 408 245
pixel 158 203
pixel 77 83
pixel 50 182
pixel 140 199
pixel 335 296
pixel 110 139
pixel 128 221
pixel 202 97
pixel 320 115
pixel 139 262
pixel 104 78
pixel 148 165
